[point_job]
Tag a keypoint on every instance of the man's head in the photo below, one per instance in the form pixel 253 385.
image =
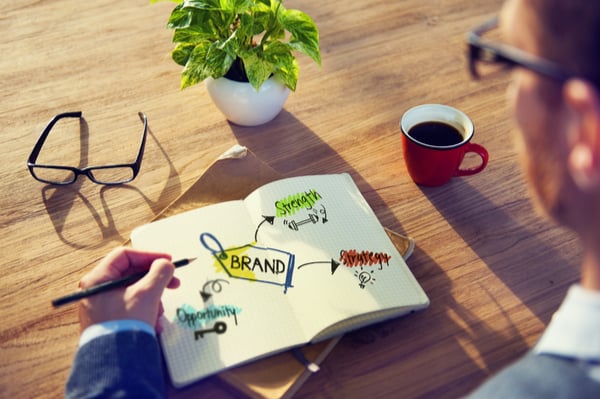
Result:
pixel 568 33
pixel 559 122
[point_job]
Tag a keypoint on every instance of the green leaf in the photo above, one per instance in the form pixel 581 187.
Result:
pixel 205 20
pixel 182 52
pixel 246 29
pixel 196 68
pixel 202 4
pixel 211 34
pixel 219 59
pixel 179 18
pixel 193 34
pixel 286 65
pixel 305 35
pixel 258 69
pixel 205 60
pixel 236 6
pixel 270 21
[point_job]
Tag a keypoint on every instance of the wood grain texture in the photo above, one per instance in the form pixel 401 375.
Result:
pixel 494 270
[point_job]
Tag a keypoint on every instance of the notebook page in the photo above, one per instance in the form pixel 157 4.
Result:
pixel 345 264
pixel 213 320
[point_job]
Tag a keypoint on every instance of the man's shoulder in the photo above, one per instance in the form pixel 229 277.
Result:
pixel 540 376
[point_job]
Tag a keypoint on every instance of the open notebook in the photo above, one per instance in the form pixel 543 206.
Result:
pixel 185 364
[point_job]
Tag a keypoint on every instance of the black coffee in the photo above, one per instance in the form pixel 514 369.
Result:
pixel 439 134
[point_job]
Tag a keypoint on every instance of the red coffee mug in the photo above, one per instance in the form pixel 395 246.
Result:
pixel 431 164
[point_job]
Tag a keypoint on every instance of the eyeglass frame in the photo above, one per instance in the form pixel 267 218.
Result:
pixel 485 50
pixel 87 171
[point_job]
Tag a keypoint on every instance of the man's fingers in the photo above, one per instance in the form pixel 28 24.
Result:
pixel 120 262
pixel 158 278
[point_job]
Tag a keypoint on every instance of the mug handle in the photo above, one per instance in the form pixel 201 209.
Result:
pixel 479 150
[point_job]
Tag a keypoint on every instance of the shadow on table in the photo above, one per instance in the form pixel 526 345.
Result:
pixel 512 249
pixel 99 226
pixel 436 353
pixel 396 339
pixel 285 132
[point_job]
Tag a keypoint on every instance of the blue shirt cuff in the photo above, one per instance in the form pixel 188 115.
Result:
pixel 112 327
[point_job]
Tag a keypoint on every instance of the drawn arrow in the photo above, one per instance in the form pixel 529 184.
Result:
pixel 324 212
pixel 270 219
pixel 205 296
pixel 215 286
pixel 334 264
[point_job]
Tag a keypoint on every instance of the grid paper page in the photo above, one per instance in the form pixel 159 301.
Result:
pixel 273 271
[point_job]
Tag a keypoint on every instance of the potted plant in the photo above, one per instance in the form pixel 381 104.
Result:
pixel 245 47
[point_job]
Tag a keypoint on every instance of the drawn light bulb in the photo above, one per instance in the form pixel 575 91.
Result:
pixel 363 278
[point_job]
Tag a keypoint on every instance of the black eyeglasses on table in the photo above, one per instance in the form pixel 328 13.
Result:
pixel 106 174
pixel 487 57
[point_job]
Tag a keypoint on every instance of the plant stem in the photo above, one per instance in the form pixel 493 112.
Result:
pixel 273 23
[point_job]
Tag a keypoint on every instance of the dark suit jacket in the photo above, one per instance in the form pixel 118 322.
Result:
pixel 122 365
pixel 540 376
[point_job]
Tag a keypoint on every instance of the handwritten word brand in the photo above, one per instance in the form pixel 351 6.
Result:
pixel 352 258
pixel 293 203
pixel 187 316
pixel 275 266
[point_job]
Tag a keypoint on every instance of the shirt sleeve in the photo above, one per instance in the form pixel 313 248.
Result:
pixel 117 359
pixel 112 327
pixel 573 331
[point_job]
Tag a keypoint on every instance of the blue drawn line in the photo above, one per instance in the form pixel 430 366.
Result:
pixel 220 255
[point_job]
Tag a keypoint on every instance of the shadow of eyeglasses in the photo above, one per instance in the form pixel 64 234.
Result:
pixel 61 201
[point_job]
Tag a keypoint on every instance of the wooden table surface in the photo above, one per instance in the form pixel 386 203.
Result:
pixel 494 270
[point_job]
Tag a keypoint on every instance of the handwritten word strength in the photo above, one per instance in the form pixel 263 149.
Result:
pixel 353 258
pixel 295 202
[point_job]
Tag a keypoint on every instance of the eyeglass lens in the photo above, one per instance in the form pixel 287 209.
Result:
pixel 52 168
pixel 485 61
pixel 487 64
pixel 101 175
pixel 114 175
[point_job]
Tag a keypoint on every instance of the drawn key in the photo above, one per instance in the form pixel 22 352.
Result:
pixel 219 327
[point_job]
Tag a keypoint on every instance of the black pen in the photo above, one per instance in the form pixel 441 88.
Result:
pixel 109 285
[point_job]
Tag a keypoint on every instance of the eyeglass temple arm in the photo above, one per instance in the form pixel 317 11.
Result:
pixel 40 142
pixel 486 26
pixel 140 154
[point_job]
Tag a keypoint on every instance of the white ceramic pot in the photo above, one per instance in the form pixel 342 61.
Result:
pixel 243 105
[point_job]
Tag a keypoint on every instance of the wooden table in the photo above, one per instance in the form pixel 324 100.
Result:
pixel 495 271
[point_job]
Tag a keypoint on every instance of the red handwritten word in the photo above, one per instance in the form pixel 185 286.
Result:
pixel 352 258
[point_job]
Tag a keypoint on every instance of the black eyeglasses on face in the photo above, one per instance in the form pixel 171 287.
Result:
pixel 487 57
pixel 105 174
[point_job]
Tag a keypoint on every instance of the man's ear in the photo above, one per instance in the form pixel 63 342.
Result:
pixel 583 101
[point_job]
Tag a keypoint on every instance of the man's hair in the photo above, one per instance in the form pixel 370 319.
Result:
pixel 569 34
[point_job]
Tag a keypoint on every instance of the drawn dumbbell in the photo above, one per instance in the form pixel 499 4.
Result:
pixel 310 219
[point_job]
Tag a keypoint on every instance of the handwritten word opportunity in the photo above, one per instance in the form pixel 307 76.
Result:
pixel 295 202
pixel 352 258
pixel 189 317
